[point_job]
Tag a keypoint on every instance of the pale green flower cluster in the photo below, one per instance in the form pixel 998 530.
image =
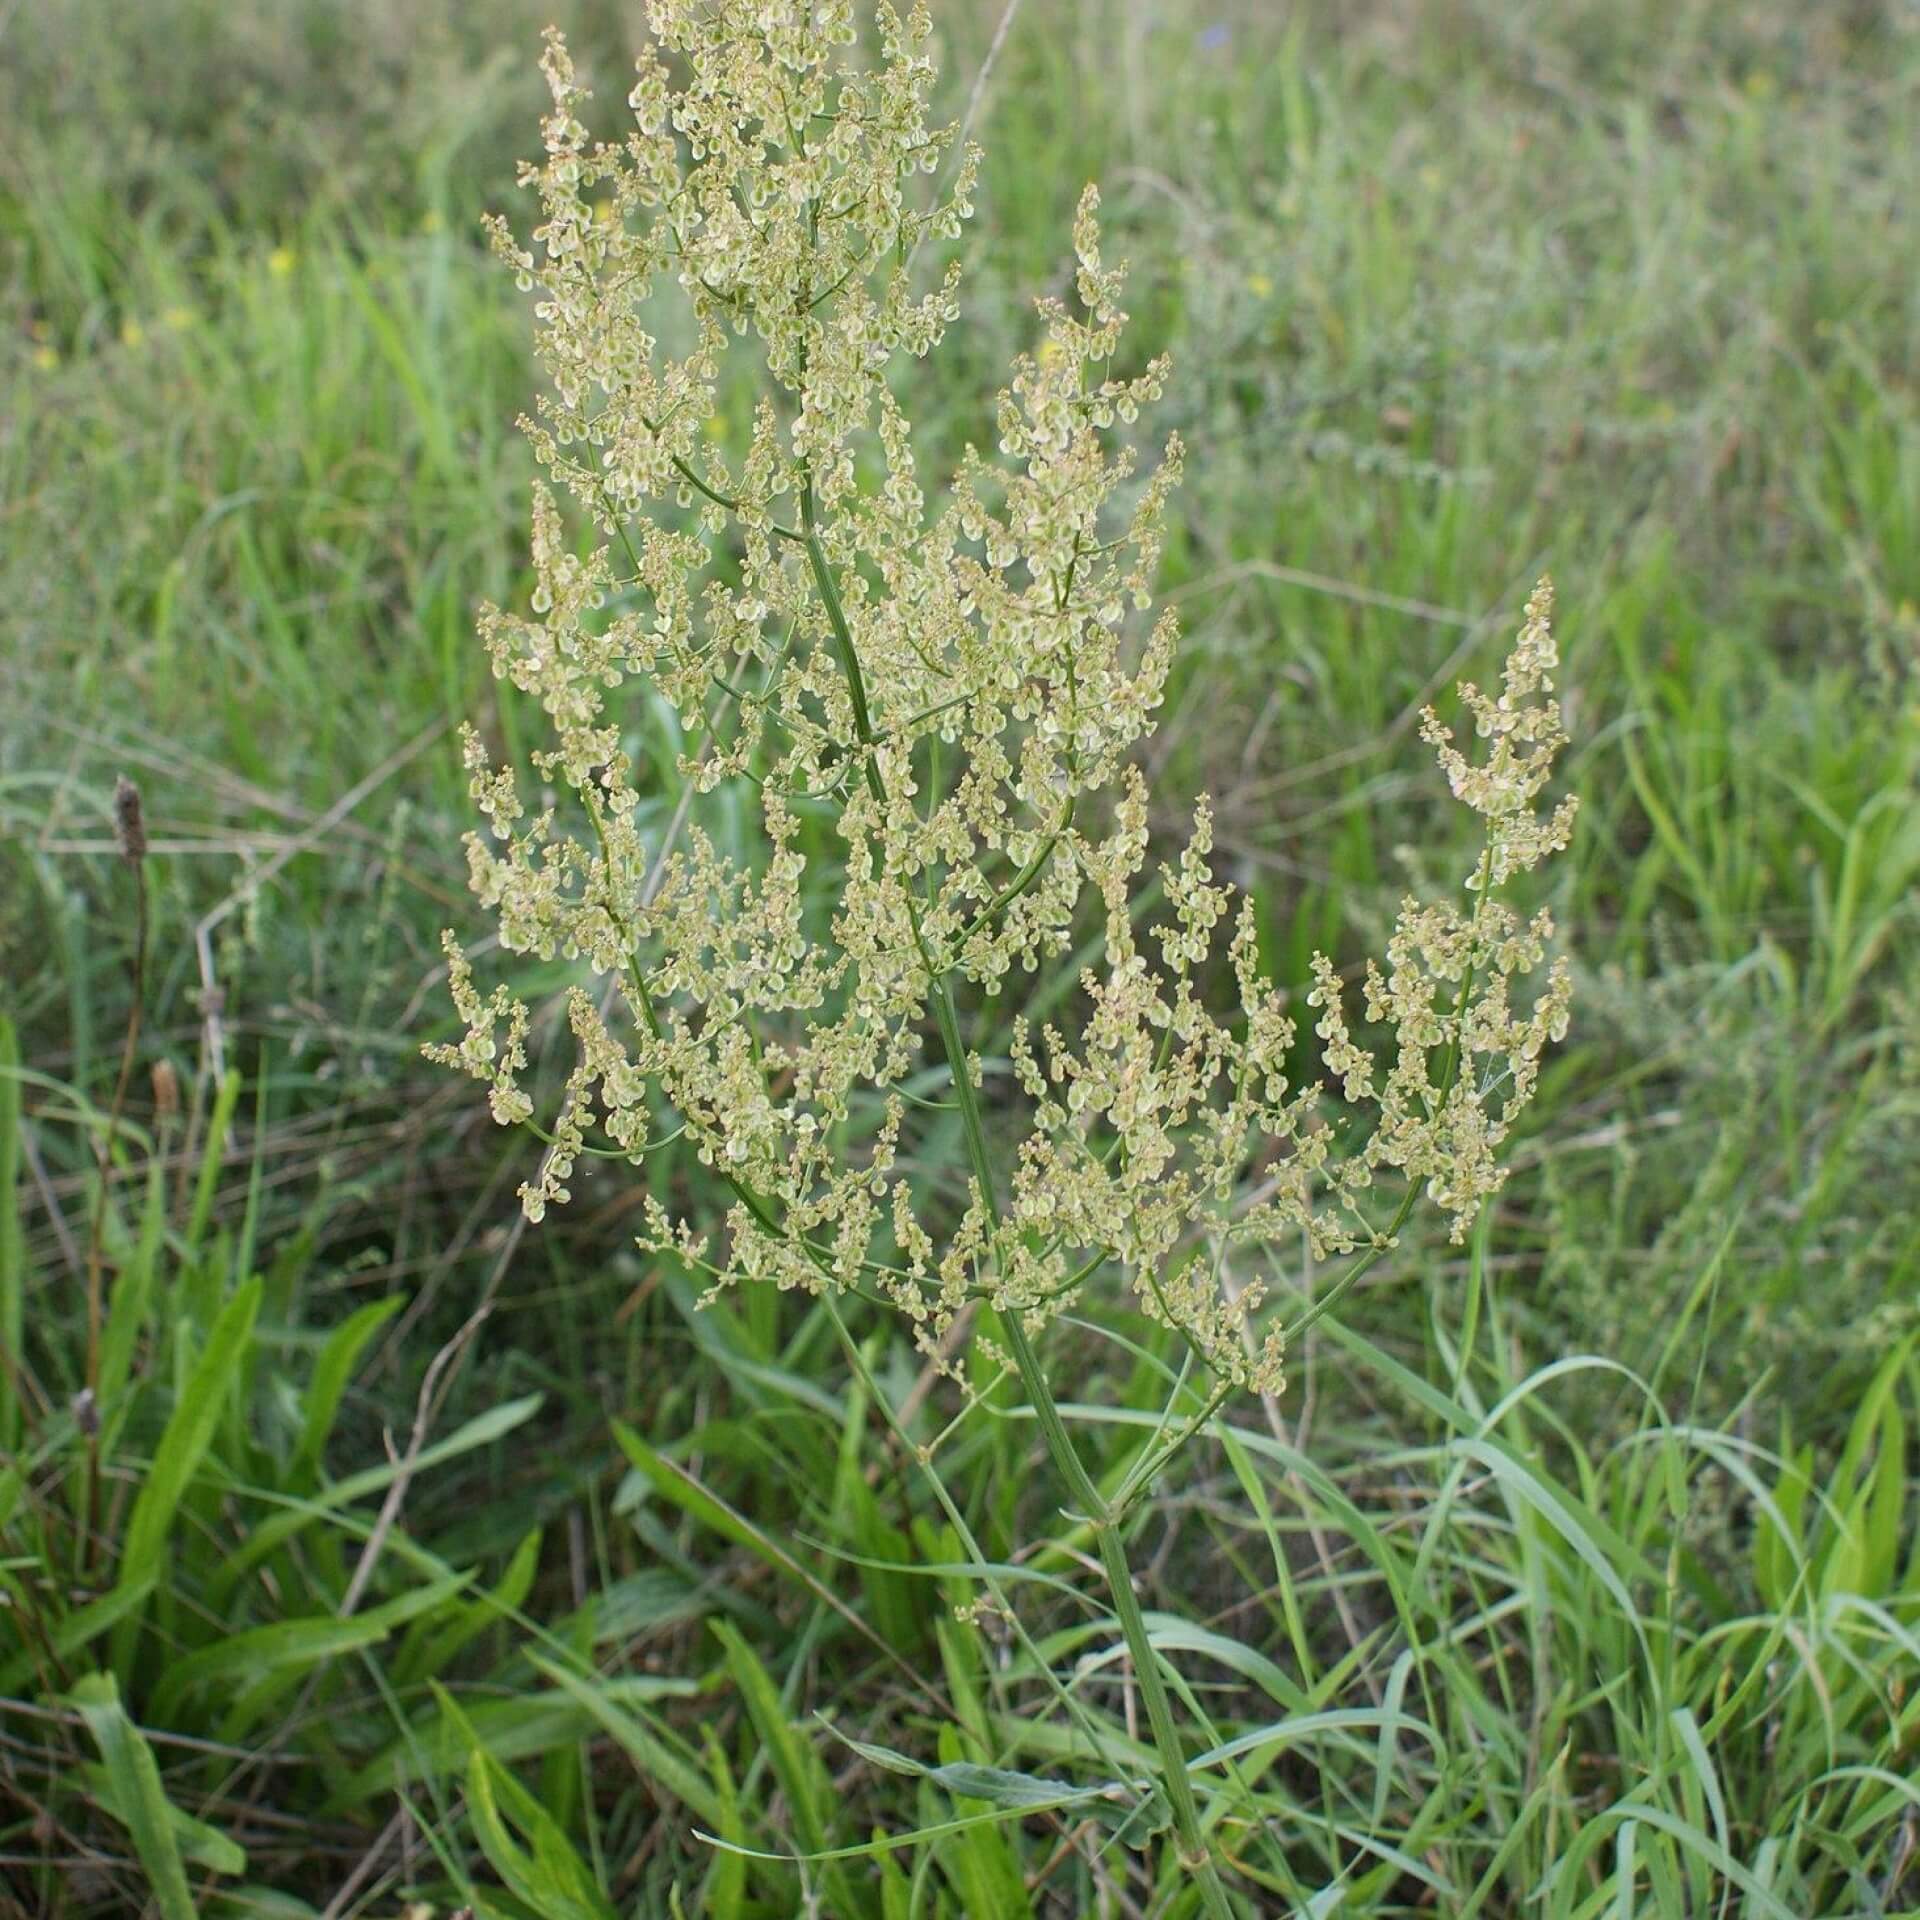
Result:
pixel 951 697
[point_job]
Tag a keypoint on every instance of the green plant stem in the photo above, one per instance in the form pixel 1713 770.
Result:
pixel 1079 1714
pixel 1195 1855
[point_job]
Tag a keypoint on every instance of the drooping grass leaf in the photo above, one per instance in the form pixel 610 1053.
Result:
pixel 549 1874
pixel 199 1843
pixel 140 1800
pixel 293 1646
pixel 182 1446
pixel 331 1373
pixel 661 1766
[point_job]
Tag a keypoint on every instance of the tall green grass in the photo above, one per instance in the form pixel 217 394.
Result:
pixel 1576 1575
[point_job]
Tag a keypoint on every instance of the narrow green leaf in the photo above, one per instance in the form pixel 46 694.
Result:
pixel 1779 1555
pixel 1886 1503
pixel 1138 1808
pixel 552 1879
pixel 1389 1726
pixel 205 1846
pixel 521 1728
pixel 269 1535
pixel 76 1629
pixel 218 1122
pixel 795 1765
pixel 1684 1724
pixel 680 1489
pixel 132 1291
pixel 1626 1871
pixel 331 1374
pixel 661 1767
pixel 431 1649
pixel 141 1801
pixel 725 1891
pixel 182 1447
pixel 981 1862
pixel 549 1876
pixel 295 1645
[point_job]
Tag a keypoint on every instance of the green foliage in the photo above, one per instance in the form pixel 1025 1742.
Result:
pixel 1454 293
pixel 131 1792
pixel 179 1555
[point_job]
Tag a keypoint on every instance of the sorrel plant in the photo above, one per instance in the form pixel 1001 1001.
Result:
pixel 950 695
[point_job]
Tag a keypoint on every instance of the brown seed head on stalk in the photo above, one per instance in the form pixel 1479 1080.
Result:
pixel 129 823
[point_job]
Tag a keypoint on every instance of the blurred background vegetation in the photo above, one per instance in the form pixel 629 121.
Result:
pixel 1457 293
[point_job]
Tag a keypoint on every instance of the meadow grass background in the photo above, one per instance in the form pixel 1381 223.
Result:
pixel 1575 1574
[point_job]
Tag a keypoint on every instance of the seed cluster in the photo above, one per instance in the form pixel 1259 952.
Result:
pixel 950 695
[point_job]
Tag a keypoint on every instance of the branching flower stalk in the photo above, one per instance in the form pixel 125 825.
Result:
pixel 943 700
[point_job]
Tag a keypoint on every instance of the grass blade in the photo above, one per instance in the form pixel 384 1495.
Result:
pixel 182 1447
pixel 141 1800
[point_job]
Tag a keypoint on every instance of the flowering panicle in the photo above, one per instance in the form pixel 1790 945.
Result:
pixel 950 697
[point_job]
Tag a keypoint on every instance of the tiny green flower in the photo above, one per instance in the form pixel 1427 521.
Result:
pixel 956 690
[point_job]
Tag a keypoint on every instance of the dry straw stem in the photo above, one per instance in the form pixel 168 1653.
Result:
pixel 951 693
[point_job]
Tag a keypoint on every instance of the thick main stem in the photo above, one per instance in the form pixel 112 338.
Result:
pixel 1195 1855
